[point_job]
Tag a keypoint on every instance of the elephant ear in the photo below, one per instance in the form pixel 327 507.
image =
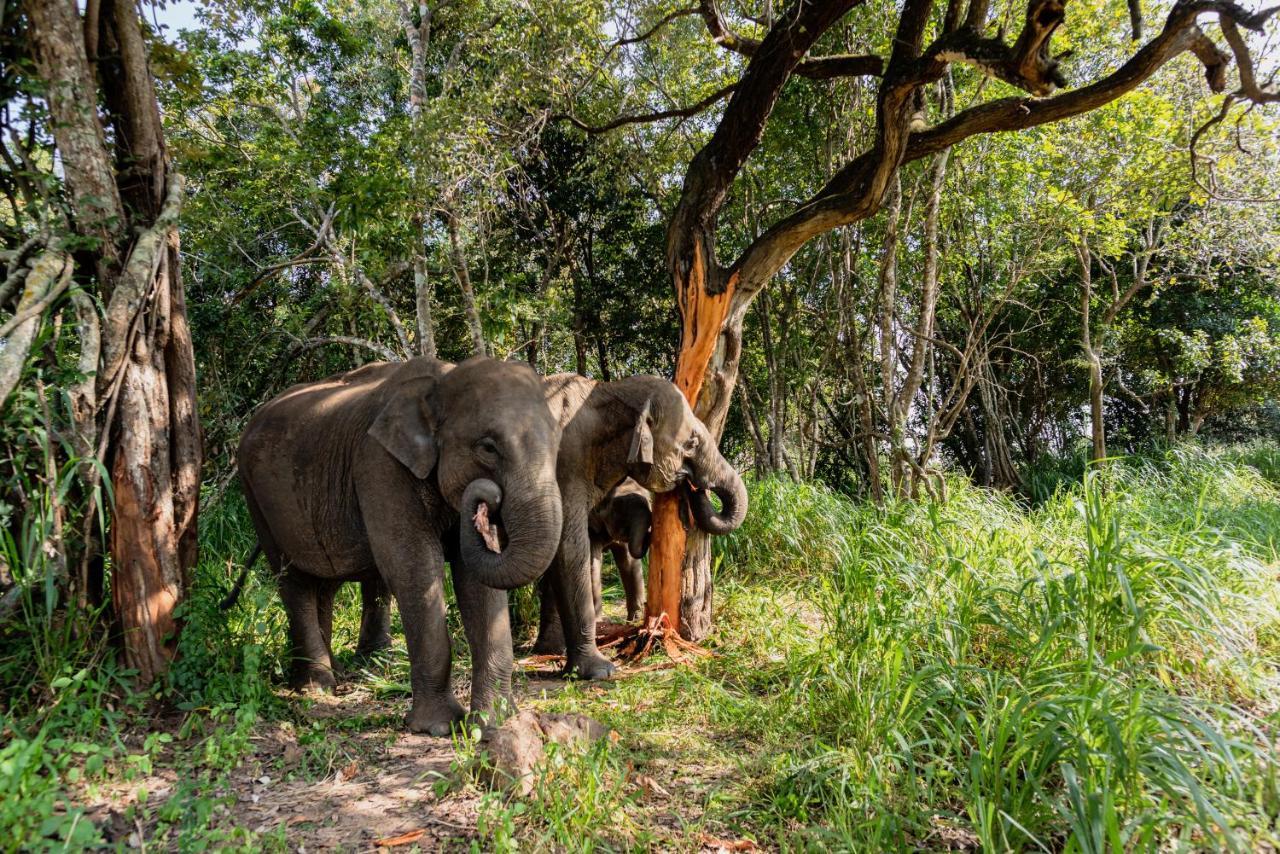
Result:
pixel 642 438
pixel 404 427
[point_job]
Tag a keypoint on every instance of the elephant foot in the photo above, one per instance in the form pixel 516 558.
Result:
pixel 634 614
pixel 436 716
pixel 311 678
pixel 368 648
pixel 549 642
pixel 590 666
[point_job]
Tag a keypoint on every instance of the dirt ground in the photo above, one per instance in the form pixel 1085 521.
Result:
pixel 380 785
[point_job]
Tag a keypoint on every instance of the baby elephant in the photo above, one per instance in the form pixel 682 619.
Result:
pixel 622 524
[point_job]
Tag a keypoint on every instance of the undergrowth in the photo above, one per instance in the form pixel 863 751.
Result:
pixel 1095 672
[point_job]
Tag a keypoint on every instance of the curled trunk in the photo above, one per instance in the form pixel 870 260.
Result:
pixel 719 477
pixel 531 521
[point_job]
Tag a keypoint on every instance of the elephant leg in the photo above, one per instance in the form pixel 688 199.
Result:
pixel 488 626
pixel 311 668
pixel 631 571
pixel 375 617
pixel 420 596
pixel 597 583
pixel 550 635
pixel 571 572
pixel 407 551
pixel 325 593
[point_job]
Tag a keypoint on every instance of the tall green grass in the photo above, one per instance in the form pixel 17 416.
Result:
pixel 1096 674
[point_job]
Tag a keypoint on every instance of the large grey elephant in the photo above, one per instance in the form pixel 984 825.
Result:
pixel 621 525
pixel 380 473
pixel 639 427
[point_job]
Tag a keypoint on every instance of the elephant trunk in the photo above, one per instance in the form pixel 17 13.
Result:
pixel 718 476
pixel 531 520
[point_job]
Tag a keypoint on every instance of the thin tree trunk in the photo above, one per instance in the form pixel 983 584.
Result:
pixel 922 345
pixel 579 310
pixel 774 405
pixel 866 424
pixel 602 356
pixel 888 346
pixel 852 326
pixel 1097 427
pixel 419 36
pixel 424 291
pixel 460 270
pixel 753 428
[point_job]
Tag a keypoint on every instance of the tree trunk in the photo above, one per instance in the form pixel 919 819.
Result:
pixel 1097 428
pixel 922 343
pixel 145 391
pixel 680 561
pixel 418 34
pixel 424 292
pixel 753 429
pixel 579 330
pixel 775 405
pixel 602 356
pixel 888 346
pixel 463 275
pixel 153 530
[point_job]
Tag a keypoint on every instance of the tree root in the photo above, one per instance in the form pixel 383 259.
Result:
pixel 636 642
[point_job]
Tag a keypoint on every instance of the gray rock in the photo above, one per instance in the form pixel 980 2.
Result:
pixel 516 747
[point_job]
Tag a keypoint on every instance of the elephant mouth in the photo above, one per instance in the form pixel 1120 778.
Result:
pixel 488 527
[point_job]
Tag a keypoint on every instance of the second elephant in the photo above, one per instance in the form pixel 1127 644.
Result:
pixel 639 427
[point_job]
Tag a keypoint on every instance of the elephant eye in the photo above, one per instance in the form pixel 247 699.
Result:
pixel 488 446
pixel 691 445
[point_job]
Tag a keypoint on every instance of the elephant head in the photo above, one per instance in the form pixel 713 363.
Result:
pixel 485 432
pixel 671 447
pixel 628 518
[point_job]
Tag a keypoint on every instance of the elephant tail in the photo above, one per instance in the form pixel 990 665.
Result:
pixel 234 595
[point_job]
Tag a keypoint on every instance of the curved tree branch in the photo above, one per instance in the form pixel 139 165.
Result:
pixel 851 194
pixel 645 118
pixel 382 350
pixel 813 67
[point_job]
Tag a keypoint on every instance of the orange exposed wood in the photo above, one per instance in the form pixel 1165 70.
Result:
pixel 703 317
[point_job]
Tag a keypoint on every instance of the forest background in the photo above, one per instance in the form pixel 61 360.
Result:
pixel 378 180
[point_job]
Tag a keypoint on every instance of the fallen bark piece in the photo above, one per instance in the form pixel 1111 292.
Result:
pixel 516 747
pixel 717 844
pixel 403 839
